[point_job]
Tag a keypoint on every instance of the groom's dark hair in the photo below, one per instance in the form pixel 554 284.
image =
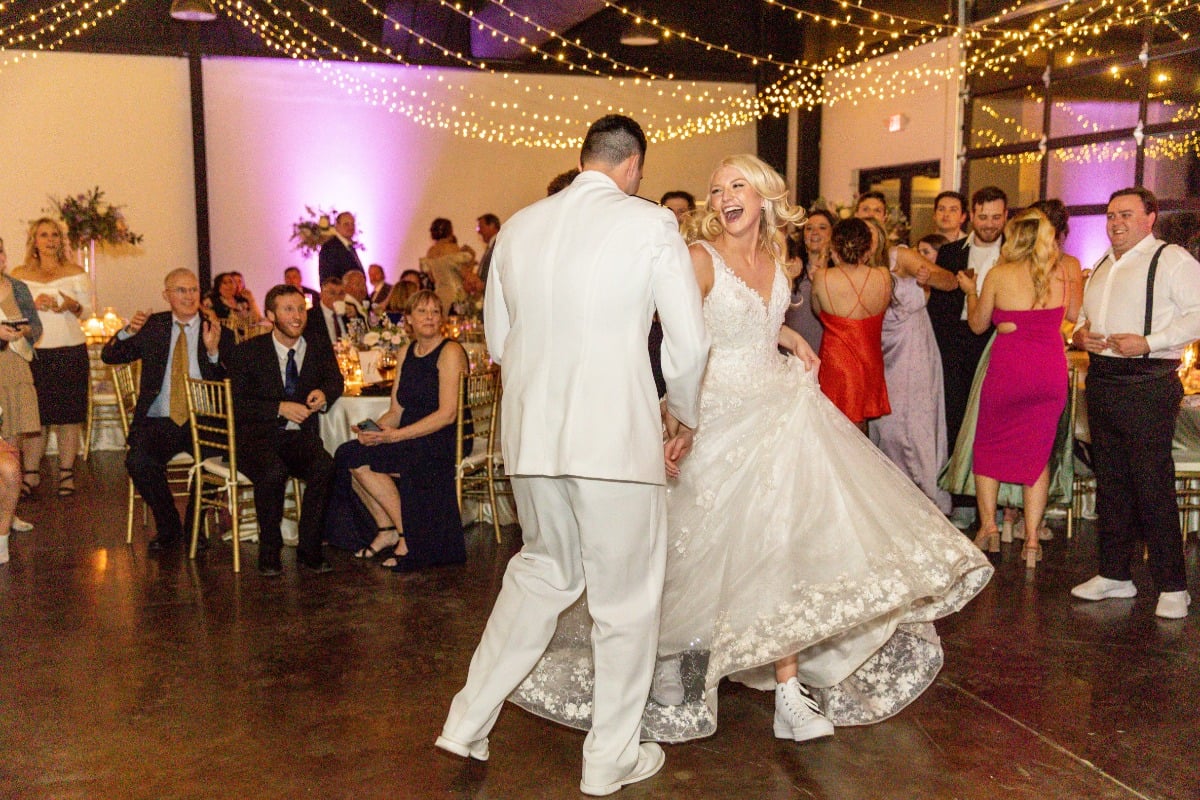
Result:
pixel 612 139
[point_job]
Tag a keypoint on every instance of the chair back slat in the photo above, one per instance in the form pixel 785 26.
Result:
pixel 210 411
pixel 126 388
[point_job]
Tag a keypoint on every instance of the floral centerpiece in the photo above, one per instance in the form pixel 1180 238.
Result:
pixel 315 229
pixel 385 334
pixel 89 218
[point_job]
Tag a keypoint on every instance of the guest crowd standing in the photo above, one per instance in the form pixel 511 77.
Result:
pixel 1141 307
pixel 61 293
pixel 961 348
pixel 172 346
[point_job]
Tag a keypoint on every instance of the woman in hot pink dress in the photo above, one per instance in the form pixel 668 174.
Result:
pixel 1025 389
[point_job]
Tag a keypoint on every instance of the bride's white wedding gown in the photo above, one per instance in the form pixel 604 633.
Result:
pixel 789 532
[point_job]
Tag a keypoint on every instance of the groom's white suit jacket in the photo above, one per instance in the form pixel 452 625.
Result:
pixel 574 282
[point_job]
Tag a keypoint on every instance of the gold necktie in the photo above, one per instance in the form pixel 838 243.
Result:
pixel 179 374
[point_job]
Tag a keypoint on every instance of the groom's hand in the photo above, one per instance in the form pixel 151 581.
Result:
pixel 676 447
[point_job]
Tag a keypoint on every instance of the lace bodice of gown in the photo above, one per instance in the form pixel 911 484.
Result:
pixel 744 331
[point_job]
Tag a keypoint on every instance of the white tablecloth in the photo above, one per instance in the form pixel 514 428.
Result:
pixel 347 411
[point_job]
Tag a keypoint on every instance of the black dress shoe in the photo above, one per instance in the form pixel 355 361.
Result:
pixel 269 565
pixel 160 543
pixel 316 563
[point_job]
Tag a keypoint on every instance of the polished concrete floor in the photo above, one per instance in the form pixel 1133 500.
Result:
pixel 125 675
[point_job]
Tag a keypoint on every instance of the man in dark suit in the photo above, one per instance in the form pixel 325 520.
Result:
pixel 338 255
pixel 280 383
pixel 292 277
pixel 160 428
pixel 959 347
pixel 380 288
pixel 328 314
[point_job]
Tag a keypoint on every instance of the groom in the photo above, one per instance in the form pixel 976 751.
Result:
pixel 574 281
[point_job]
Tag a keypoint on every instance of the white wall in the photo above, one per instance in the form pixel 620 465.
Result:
pixel 73 121
pixel 854 131
pixel 279 138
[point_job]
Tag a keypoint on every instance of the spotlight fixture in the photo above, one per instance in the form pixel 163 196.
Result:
pixel 193 10
pixel 635 35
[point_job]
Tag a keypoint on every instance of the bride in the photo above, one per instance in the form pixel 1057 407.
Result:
pixel 798 555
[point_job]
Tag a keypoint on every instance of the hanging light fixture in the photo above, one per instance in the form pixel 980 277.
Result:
pixel 635 35
pixel 193 10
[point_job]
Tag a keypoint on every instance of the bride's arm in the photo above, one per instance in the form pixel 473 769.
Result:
pixel 795 344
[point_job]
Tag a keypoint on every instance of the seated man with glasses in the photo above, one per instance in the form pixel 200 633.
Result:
pixel 159 429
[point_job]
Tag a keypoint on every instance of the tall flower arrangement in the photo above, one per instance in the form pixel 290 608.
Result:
pixel 314 229
pixel 90 218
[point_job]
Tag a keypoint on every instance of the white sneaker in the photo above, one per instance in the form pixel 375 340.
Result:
pixel 667 686
pixel 21 526
pixel 797 715
pixel 1173 605
pixel 1101 588
pixel 650 761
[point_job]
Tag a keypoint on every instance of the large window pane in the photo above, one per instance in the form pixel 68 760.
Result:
pixel 1087 240
pixel 1017 175
pixel 1007 117
pixel 1090 173
pixel 1174 90
pixel 1096 103
pixel 1172 167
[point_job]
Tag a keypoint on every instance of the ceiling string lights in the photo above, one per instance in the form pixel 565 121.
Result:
pixel 525 110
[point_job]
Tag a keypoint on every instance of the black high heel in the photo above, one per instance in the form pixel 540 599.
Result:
pixel 369 552
pixel 66 474
pixel 27 488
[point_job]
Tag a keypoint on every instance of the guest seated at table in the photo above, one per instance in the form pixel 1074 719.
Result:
pixel 231 300
pixel 171 345
pixel 415 448
pixel 398 299
pixel 280 384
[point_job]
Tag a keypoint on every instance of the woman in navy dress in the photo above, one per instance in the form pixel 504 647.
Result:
pixel 410 456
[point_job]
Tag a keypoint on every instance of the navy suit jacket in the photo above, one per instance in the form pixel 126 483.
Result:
pixel 151 344
pixel 258 386
pixel 335 259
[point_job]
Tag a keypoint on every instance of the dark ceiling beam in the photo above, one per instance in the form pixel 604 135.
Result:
pixel 555 15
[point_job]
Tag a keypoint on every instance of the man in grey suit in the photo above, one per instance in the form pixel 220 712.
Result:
pixel 574 281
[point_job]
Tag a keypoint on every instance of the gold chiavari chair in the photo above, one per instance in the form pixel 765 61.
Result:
pixel 476 454
pixel 102 402
pixel 218 485
pixel 179 468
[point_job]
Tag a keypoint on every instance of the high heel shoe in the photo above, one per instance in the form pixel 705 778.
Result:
pixel 1006 529
pixel 1031 555
pixel 988 540
pixel 384 550
pixel 66 481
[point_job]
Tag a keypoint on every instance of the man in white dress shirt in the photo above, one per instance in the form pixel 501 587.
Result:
pixel 1140 309
pixel 574 281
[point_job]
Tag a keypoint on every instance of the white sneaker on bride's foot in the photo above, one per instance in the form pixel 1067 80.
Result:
pixel 797 715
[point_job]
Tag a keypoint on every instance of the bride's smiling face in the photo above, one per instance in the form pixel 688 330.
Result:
pixel 735 200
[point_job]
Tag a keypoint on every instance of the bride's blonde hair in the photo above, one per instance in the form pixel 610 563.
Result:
pixel 777 211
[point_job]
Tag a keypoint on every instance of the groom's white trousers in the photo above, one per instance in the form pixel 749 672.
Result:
pixel 610 538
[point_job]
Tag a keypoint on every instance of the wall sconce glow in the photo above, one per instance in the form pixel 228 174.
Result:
pixel 897 123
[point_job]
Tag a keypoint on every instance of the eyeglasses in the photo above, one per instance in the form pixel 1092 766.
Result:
pixel 185 290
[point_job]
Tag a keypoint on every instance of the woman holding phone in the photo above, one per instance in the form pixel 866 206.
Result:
pixel 19 329
pixel 60 372
pixel 415 438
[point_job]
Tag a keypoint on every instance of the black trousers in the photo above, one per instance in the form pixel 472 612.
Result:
pixel 1132 424
pixel 269 465
pixel 153 441
pixel 960 350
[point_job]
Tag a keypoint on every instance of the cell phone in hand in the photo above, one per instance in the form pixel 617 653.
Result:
pixel 15 323
pixel 368 425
